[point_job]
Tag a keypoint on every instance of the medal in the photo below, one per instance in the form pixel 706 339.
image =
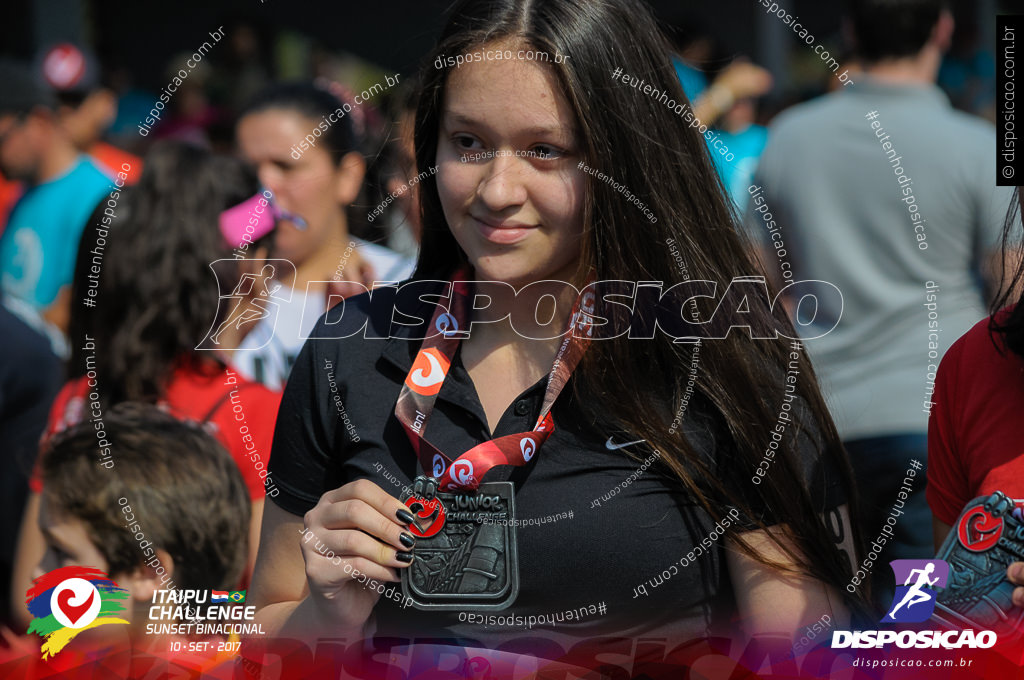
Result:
pixel 466 543
pixel 985 540
pixel 466 552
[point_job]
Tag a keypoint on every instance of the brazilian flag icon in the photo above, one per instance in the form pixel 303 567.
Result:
pixel 237 596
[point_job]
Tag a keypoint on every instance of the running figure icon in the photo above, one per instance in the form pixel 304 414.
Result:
pixel 252 296
pixel 916 595
pixel 917 583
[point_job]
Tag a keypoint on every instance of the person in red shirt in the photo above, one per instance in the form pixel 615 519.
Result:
pixel 975 431
pixel 142 319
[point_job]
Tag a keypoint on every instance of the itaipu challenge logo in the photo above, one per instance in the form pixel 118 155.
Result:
pixel 66 601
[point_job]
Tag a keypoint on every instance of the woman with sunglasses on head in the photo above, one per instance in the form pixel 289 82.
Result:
pixel 688 545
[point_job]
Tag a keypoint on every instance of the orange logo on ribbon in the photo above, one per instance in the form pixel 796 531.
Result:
pixel 428 372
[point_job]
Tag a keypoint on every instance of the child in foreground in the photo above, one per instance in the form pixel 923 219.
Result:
pixel 170 515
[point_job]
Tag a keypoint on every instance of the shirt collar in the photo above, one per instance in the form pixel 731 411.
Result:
pixel 400 350
pixel 404 342
pixel 866 85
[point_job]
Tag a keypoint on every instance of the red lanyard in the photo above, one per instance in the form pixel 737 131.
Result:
pixel 422 384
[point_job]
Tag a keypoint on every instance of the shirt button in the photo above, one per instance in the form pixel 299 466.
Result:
pixel 522 407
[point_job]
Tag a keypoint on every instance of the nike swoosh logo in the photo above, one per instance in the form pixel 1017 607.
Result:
pixel 435 376
pixel 612 446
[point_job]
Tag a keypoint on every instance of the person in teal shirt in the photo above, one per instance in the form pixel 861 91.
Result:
pixel 746 141
pixel 40 242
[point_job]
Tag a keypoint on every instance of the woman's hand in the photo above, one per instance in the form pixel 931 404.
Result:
pixel 743 79
pixel 355 533
pixel 1015 572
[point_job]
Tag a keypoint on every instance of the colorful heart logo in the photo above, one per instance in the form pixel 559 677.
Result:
pixel 424 510
pixel 66 601
pixel 75 603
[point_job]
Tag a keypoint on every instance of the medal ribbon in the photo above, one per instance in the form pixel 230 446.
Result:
pixel 430 368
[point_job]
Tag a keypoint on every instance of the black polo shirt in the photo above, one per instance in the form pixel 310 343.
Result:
pixel 597 556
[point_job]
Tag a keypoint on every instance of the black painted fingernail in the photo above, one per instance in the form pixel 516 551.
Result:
pixel 404 516
pixel 408 540
pixel 403 556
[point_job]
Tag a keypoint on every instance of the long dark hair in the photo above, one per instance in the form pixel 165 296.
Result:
pixel 157 295
pixel 624 384
pixel 1011 324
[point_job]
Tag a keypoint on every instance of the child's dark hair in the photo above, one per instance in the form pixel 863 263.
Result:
pixel 184 490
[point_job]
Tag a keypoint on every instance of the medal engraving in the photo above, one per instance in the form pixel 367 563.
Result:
pixel 469 561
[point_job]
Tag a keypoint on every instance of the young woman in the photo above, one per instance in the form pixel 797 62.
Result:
pixel 975 428
pixel 510 204
pixel 314 185
pixel 155 300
